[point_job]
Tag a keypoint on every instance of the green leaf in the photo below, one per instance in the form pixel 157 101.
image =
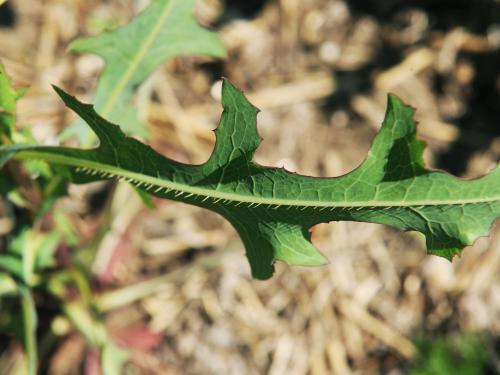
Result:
pixel 273 209
pixel 165 29
pixel 145 198
pixel 65 228
pixel 8 286
pixel 8 98
pixel 29 253
pixel 465 354
pixel 9 135
pixel 12 265
pixel 45 249
pixel 94 331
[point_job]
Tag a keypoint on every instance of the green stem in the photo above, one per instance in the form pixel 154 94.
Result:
pixel 30 325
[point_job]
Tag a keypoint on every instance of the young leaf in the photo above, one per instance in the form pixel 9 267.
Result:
pixel 273 209
pixel 8 98
pixel 166 28
pixel 8 286
pixel 9 135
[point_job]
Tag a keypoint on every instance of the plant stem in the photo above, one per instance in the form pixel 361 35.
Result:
pixel 29 329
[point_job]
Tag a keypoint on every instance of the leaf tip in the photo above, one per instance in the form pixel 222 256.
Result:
pixel 71 46
pixel 448 254
pixel 70 100
pixel 232 97
pixel 394 102
pixel 83 44
pixel 62 94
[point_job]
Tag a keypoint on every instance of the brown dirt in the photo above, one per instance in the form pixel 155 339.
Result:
pixel 320 71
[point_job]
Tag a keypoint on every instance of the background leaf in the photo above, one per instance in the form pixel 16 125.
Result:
pixel 166 28
pixel 8 98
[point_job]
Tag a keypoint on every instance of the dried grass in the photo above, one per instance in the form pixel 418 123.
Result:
pixel 182 271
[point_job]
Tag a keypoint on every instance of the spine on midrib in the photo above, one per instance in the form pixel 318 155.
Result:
pixel 165 186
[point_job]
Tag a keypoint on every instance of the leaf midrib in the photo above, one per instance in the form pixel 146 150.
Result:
pixel 144 180
pixel 132 68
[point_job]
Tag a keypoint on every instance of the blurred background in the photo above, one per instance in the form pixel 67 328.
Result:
pixel 172 285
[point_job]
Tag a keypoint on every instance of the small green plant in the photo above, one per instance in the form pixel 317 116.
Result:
pixel 462 355
pixel 163 30
pixel 28 267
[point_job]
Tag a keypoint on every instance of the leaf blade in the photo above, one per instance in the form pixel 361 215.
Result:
pixel 165 29
pixel 272 209
pixel 8 98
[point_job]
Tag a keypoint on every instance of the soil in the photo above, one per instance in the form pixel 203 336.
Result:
pixel 320 71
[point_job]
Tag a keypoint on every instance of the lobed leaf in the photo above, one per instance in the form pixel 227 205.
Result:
pixel 165 29
pixel 273 209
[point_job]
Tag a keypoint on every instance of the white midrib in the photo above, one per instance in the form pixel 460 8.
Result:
pixel 184 190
